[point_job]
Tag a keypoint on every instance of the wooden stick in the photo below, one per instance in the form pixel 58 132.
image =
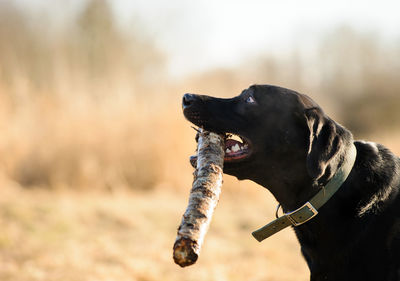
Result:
pixel 203 198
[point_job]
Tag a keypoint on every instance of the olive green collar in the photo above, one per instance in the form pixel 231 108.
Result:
pixel 310 209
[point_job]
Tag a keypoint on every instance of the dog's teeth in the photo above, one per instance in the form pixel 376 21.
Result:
pixel 245 146
pixel 228 150
pixel 241 148
pixel 235 148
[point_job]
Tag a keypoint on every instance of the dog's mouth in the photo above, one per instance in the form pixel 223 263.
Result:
pixel 236 148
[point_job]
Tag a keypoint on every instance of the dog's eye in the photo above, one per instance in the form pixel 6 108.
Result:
pixel 250 99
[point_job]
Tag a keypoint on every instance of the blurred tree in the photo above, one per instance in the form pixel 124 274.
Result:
pixel 107 53
pixel 372 113
pixel 25 62
pixel 98 40
pixel 89 55
pixel 361 73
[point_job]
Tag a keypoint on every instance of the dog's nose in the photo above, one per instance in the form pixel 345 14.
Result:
pixel 188 100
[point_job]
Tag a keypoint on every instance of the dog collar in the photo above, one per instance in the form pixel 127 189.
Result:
pixel 310 209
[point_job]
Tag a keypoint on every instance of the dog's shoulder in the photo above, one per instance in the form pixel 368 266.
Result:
pixel 379 170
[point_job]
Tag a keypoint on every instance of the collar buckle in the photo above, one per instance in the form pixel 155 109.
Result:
pixel 302 214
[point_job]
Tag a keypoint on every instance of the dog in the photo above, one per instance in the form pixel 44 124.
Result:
pixel 287 144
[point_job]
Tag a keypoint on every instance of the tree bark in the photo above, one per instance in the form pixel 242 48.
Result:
pixel 203 198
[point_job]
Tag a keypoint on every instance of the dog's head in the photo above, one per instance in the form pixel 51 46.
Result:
pixel 281 136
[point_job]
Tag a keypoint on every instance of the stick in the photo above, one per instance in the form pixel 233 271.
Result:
pixel 203 198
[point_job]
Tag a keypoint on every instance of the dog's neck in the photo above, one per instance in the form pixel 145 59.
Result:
pixel 291 189
pixel 291 184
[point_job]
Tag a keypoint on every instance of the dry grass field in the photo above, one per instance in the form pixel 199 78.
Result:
pixel 127 234
pixel 64 235
pixel 97 191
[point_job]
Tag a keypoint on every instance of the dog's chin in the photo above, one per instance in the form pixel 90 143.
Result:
pixel 237 149
pixel 195 117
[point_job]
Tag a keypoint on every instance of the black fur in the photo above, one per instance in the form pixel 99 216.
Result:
pixel 296 149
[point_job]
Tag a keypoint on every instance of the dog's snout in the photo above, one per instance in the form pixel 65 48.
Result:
pixel 188 100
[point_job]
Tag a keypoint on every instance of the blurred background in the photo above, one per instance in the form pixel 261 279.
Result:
pixel 94 170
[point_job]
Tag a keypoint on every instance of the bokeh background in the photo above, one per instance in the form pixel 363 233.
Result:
pixel 94 171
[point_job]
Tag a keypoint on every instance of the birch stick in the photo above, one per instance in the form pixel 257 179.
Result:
pixel 203 198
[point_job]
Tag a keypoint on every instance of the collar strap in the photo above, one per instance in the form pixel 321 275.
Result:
pixel 310 209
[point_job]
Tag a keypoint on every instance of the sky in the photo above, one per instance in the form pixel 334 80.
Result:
pixel 203 34
pixel 198 35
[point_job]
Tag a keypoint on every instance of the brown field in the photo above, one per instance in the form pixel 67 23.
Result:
pixel 97 192
pixel 129 236
pixel 125 234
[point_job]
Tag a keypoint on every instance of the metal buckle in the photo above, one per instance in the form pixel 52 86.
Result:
pixel 295 222
pixel 277 210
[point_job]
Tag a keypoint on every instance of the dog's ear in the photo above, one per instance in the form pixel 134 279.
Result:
pixel 327 146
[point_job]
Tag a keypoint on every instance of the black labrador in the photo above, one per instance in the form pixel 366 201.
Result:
pixel 291 147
